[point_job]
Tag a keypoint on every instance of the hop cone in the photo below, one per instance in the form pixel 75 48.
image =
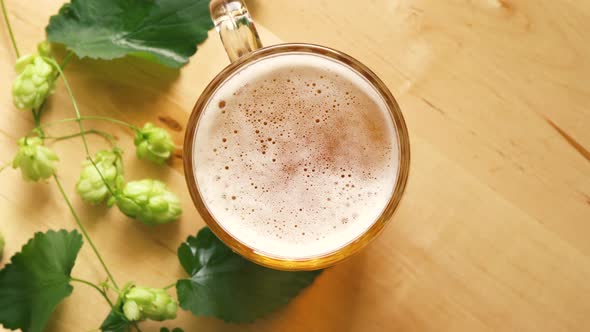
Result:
pixel 149 201
pixel 149 303
pixel 35 161
pixel 44 48
pixel 154 144
pixel 91 186
pixel 34 82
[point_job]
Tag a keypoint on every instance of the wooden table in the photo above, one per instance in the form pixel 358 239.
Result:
pixel 493 233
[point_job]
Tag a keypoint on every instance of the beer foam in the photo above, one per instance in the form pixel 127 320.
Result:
pixel 296 155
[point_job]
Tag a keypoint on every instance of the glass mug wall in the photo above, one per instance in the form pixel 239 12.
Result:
pixel 296 155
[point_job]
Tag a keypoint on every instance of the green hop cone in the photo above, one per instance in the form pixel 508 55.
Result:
pixel 44 48
pixel 131 311
pixel 148 303
pixel 2 242
pixel 149 201
pixel 154 144
pixel 35 161
pixel 91 186
pixel 34 82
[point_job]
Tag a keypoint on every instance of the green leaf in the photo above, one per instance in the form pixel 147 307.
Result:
pixel 177 329
pixel 37 279
pixel 229 287
pixel 164 31
pixel 116 320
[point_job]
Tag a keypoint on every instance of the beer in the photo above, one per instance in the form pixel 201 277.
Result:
pixel 296 155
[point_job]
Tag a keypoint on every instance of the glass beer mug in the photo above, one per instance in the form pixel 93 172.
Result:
pixel 296 155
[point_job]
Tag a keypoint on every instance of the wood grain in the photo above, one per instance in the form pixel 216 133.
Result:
pixel 492 234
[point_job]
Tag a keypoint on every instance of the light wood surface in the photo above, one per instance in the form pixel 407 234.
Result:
pixel 493 233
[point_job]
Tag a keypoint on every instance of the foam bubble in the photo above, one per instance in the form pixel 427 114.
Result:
pixel 307 152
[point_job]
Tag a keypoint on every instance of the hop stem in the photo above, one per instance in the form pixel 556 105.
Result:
pixel 100 133
pixel 93 285
pixel 37 115
pixel 37 119
pixel 106 118
pixel 88 118
pixel 9 27
pixel 83 229
pixel 80 123
pixel 66 60
pixel 87 150
pixel 74 103
pixel 169 286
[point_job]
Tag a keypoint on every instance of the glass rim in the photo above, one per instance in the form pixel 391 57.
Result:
pixel 329 259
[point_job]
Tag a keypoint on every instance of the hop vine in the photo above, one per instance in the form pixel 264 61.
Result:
pixel 102 176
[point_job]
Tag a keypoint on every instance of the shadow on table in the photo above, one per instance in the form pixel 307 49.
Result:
pixel 253 6
pixel 127 68
pixel 327 305
pixel 129 88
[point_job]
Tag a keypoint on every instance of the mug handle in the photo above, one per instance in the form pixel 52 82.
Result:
pixel 235 27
